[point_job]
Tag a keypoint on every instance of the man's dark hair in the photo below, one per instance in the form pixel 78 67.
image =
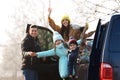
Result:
pixel 30 26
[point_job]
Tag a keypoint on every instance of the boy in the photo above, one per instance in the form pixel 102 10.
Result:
pixel 72 58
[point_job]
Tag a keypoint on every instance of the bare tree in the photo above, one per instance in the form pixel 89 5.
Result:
pixel 28 11
pixel 95 10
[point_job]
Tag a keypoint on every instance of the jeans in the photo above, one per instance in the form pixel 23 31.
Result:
pixel 30 74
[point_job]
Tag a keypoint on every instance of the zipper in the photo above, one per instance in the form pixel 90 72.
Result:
pixel 31 60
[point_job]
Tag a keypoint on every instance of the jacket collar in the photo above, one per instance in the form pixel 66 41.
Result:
pixel 30 37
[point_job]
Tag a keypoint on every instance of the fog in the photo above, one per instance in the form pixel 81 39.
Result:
pixel 16 14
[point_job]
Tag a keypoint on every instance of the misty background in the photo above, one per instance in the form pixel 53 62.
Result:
pixel 16 14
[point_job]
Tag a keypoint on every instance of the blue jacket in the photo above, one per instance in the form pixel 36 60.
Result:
pixel 61 51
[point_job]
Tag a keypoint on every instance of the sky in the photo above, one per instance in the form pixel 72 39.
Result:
pixel 6 7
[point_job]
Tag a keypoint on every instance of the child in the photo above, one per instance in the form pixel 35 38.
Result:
pixel 78 60
pixel 72 58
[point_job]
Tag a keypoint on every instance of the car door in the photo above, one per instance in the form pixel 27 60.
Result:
pixel 95 57
pixel 111 52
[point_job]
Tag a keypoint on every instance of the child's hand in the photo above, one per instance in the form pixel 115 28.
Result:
pixel 70 76
pixel 32 54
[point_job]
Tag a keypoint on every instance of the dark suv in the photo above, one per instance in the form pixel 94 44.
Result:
pixel 105 55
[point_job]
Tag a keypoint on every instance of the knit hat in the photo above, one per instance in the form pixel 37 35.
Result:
pixel 57 36
pixel 65 17
pixel 72 41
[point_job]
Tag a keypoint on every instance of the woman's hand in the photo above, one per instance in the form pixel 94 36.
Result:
pixel 49 10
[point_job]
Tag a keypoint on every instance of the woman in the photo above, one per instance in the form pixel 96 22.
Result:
pixel 67 29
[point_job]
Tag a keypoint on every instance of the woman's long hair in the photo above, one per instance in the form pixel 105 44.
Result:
pixel 65 30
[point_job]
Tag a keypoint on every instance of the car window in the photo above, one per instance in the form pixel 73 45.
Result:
pixel 114 44
pixel 45 37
